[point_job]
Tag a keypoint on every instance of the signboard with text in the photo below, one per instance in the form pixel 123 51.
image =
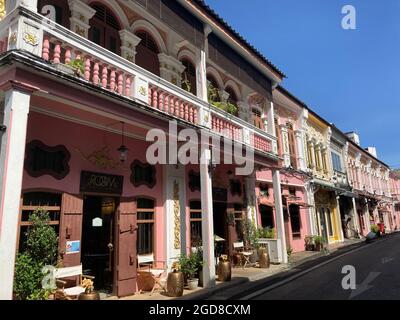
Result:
pixel 101 183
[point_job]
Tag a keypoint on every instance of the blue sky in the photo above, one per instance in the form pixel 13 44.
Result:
pixel 350 77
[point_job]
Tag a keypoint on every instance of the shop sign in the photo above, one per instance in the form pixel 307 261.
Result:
pixel 101 183
pixel 73 247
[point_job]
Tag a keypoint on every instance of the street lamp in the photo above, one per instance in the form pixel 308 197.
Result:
pixel 123 150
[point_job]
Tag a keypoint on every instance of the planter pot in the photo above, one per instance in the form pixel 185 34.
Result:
pixel 89 296
pixel 193 284
pixel 224 271
pixel 68 69
pixel 318 246
pixel 175 282
pixel 263 261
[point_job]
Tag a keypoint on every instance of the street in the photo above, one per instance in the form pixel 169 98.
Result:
pixel 376 266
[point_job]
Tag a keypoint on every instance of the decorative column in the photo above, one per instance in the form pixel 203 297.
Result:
pixel 271 124
pixel 369 173
pixel 12 4
pixel 81 13
pixel 13 141
pixel 338 219
pixel 171 69
pixel 356 218
pixel 207 223
pixel 319 157
pixel 223 95
pixel 312 151
pixel 201 67
pixel 243 111
pixel 250 184
pixel 175 212
pixel 128 45
pixel 300 150
pixel 285 142
pixel 280 224
pixel 25 35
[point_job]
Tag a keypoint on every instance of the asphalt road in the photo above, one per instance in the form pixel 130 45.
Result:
pixel 377 275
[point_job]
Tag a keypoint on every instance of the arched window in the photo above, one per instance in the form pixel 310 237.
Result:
pixel 104 29
pixel 232 96
pixel 147 53
pixel 189 76
pixel 145 223
pixel 213 89
pixel 63 12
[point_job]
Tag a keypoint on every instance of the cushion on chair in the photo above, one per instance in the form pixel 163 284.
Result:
pixel 74 291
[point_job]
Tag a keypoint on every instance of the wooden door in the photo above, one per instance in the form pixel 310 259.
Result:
pixel 126 247
pixel 71 227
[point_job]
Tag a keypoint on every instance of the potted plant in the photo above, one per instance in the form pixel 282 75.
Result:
pixel 251 239
pixel 175 281
pixel 309 243
pixel 40 250
pixel 375 228
pixel 74 67
pixel 319 243
pixel 213 98
pixel 190 267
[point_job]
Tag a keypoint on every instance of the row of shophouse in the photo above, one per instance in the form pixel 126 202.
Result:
pixel 73 141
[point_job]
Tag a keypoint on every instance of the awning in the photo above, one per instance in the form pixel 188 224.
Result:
pixel 350 194
pixel 300 204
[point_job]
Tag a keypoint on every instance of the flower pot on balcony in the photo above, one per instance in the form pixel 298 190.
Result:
pixel 65 68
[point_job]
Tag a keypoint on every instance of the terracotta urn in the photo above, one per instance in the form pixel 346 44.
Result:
pixel 224 271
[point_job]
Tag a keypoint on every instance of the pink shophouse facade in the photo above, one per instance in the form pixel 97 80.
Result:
pixel 65 132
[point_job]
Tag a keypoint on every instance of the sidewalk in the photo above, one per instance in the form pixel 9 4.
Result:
pixel 245 276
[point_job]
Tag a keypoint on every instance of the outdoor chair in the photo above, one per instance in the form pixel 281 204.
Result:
pixel 69 293
pixel 148 272
pixel 244 255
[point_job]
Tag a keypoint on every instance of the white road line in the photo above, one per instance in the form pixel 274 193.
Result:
pixel 302 273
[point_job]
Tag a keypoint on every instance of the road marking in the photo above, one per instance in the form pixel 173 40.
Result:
pixel 302 273
pixel 364 286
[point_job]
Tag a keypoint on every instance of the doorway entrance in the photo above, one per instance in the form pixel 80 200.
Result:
pixel 220 226
pixel 98 240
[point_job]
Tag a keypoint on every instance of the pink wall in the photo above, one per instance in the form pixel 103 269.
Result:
pixel 78 138
pixel 265 177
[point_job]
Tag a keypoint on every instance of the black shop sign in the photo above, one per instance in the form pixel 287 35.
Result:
pixel 101 183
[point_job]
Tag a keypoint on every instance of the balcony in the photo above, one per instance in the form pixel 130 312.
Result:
pixel 60 47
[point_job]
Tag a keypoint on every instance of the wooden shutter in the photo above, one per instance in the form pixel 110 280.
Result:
pixel 126 247
pixel 71 226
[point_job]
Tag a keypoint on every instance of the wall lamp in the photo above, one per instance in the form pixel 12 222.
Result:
pixel 3 128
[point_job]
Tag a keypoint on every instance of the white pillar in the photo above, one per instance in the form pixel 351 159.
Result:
pixel 339 220
pixel 129 41
pixel 280 224
pixel 300 150
pixel 16 109
pixel 12 4
pixel 356 218
pixel 81 14
pixel 207 222
pixel 250 184
pixel 271 125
